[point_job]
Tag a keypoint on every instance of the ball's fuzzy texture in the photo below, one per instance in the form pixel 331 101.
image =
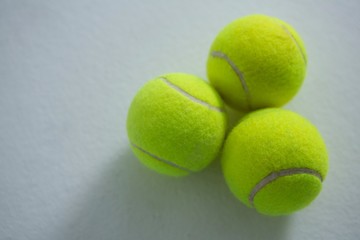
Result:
pixel 257 62
pixel 176 124
pixel 275 161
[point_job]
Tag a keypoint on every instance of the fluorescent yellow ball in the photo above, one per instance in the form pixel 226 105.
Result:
pixel 256 62
pixel 275 161
pixel 176 124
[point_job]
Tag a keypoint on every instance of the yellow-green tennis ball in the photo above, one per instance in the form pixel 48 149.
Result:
pixel 176 124
pixel 275 161
pixel 256 62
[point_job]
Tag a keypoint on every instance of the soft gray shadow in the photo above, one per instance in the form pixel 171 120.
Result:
pixel 132 202
pixel 233 117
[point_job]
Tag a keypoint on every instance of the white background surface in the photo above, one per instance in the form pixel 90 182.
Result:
pixel 68 72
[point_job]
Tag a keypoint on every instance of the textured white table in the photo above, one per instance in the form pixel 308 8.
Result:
pixel 68 72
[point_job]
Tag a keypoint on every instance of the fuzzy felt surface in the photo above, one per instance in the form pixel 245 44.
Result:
pixel 267 142
pixel 176 124
pixel 269 56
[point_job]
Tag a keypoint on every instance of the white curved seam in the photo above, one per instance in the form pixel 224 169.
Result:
pixel 275 175
pixel 161 159
pixel 191 97
pixel 238 73
pixel 296 43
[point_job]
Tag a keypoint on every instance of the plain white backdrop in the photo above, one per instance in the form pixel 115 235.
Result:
pixel 68 72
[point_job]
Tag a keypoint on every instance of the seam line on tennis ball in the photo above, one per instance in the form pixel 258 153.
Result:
pixel 238 73
pixel 191 97
pixel 296 43
pixel 160 159
pixel 275 175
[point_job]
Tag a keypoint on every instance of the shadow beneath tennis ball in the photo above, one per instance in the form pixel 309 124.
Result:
pixel 234 117
pixel 131 202
pixel 101 212
pixel 199 206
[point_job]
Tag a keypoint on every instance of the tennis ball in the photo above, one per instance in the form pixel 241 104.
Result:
pixel 257 62
pixel 275 161
pixel 176 124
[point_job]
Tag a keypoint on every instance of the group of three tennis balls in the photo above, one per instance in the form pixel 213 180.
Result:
pixel 273 160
